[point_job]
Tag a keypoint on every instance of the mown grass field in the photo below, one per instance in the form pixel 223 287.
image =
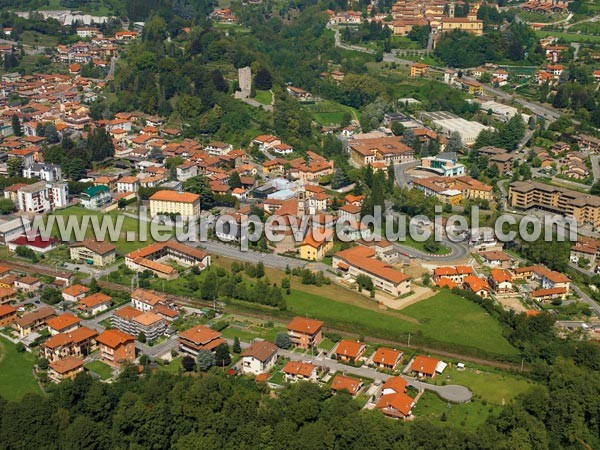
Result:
pixel 128 225
pixel 101 369
pixel 467 416
pixel 330 113
pixel 443 318
pixel 16 376
pixel 496 388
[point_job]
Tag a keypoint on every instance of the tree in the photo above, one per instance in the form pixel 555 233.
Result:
pixel 222 356
pixel 205 360
pixel 595 189
pixel 282 340
pixel 50 295
pixel 7 206
pixel 43 364
pixel 234 180
pixel 397 128
pixel 14 166
pixel 237 348
pixel 339 179
pixel 263 79
pixel 454 142
pixel 141 337
pixel 188 363
pixel 16 126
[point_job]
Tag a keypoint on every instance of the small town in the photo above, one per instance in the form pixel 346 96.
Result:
pixel 201 224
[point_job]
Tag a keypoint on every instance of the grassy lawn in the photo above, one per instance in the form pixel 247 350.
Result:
pixel 101 369
pixel 277 378
pixel 443 318
pixel 173 367
pixel 497 388
pixel 263 97
pixel 468 415
pixel 16 377
pixel 129 224
pixel 326 344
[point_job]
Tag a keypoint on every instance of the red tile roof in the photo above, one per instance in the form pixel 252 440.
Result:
pixel 424 364
pixel 306 326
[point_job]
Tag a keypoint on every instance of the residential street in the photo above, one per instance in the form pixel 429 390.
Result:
pixel 452 393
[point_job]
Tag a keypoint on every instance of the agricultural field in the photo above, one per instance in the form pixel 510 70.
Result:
pixel 16 372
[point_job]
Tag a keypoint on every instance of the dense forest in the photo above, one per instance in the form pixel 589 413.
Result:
pixel 161 411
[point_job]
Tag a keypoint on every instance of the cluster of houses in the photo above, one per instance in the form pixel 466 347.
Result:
pixel 545 284
pixel 407 14
pixel 260 357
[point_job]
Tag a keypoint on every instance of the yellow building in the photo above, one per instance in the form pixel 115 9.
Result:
pixel 314 248
pixel 418 70
pixel 470 24
pixel 185 204
pixel 96 253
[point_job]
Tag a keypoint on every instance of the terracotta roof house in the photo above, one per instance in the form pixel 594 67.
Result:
pixel 63 323
pixel 348 384
pixel 349 351
pixel 387 358
pixel 305 333
pixel 299 371
pixel 95 303
pixel 116 347
pixel 259 357
pixel 199 338
pixel 64 369
pixel 426 367
pixel 75 292
pixel 397 406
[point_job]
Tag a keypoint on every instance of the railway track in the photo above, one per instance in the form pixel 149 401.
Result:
pixel 279 319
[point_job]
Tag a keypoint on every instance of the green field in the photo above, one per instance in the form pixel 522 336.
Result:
pixel 569 37
pixel 101 369
pixel 129 224
pixel 331 113
pixel 497 388
pixel 16 372
pixel 442 319
pixel 468 415
pixel 263 97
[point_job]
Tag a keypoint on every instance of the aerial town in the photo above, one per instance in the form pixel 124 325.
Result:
pixel 340 225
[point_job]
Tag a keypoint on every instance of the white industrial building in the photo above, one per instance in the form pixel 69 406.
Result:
pixel 502 112
pixel 468 130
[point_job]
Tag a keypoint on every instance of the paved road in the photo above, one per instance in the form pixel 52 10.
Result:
pixel 160 349
pixel 452 393
pixel 595 160
pixel 594 306
pixel 545 111
pixel 402 178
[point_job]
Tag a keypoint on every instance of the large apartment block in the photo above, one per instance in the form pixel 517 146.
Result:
pixel 184 204
pixel 43 196
pixel 584 208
